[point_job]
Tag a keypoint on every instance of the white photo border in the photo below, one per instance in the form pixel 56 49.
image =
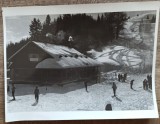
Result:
pixel 75 9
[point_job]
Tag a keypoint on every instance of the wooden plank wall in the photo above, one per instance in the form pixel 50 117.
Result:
pixel 11 3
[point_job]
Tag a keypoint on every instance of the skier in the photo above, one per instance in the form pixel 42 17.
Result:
pixel 131 84
pixel 36 92
pixel 149 77
pixel 125 77
pixel 119 77
pixel 145 84
pixel 150 82
pixel 114 87
pixel 85 84
pixel 13 92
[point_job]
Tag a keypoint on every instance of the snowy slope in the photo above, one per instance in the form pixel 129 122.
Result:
pixel 142 16
pixel 132 28
pixel 117 55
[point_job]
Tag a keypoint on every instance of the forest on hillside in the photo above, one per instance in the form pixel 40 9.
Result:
pixel 86 31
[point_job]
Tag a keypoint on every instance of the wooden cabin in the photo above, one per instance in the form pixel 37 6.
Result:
pixel 48 63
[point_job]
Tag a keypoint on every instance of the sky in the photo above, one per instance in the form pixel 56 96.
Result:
pixel 17 27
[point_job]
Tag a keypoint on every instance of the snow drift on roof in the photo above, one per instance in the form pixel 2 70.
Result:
pixel 57 49
pixel 64 57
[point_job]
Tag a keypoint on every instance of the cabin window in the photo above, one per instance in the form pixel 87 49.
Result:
pixel 34 57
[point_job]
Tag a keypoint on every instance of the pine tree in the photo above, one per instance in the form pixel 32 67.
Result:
pixel 46 25
pixel 48 20
pixel 35 29
pixel 98 19
pixel 116 21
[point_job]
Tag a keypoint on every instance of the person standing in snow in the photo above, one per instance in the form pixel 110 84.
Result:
pixel 131 84
pixel 114 87
pixel 13 92
pixel 144 84
pixel 119 77
pixel 85 84
pixel 36 93
pixel 149 77
pixel 150 82
pixel 147 85
pixel 125 77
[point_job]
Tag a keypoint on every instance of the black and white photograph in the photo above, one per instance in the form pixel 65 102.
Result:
pixel 95 61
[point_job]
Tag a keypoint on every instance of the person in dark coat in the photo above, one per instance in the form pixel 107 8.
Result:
pixel 147 85
pixel 36 93
pixel 125 77
pixel 121 77
pixel 144 84
pixel 13 92
pixel 108 107
pixel 150 82
pixel 131 84
pixel 85 84
pixel 114 87
pixel 149 77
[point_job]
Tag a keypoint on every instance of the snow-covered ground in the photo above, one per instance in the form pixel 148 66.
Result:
pixel 73 97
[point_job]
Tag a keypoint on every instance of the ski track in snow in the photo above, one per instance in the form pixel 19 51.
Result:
pixel 117 55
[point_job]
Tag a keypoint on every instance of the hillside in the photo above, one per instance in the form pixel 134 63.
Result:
pixel 133 49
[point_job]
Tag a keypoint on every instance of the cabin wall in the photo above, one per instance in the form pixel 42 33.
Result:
pixel 22 59
pixel 54 75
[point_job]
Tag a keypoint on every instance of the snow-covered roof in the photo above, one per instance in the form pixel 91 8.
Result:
pixel 67 62
pixel 53 49
pixel 64 57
